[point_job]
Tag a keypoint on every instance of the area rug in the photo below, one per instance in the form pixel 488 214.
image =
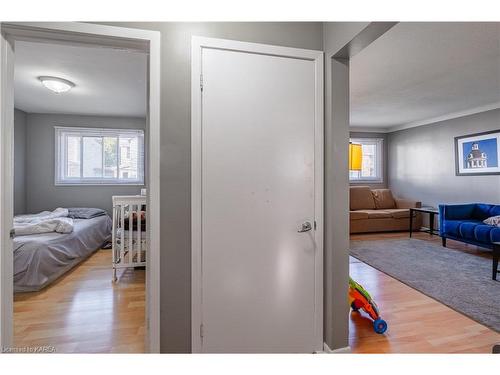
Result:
pixel 460 280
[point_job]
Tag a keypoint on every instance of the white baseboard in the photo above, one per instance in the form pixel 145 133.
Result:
pixel 344 350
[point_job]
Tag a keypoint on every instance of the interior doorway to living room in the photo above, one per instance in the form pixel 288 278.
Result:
pixel 422 209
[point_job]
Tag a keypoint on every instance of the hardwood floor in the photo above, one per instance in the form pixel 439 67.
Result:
pixel 417 323
pixel 84 312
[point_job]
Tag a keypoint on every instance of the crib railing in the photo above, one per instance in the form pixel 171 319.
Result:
pixel 129 240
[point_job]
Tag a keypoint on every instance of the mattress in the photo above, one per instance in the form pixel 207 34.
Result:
pixel 40 259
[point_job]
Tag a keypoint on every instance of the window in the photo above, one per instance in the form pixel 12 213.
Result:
pixel 371 164
pixel 99 156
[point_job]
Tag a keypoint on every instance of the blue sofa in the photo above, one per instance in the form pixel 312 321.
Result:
pixel 464 222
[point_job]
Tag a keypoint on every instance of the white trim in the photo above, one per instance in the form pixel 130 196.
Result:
pixel 197 45
pixel 449 116
pixel 153 185
pixel 380 155
pixel 319 203
pixel 196 140
pixel 6 190
pixel 344 350
pixel 428 121
pixel 368 129
pixel 61 160
pixel 85 34
pixel 111 131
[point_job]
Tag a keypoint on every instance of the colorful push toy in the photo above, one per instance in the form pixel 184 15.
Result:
pixel 359 298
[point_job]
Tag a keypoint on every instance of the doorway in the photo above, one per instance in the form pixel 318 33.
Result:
pixel 76 34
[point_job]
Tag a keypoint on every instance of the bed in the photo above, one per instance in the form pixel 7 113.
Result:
pixel 40 259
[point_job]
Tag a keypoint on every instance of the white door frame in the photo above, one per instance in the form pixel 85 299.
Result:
pixel 75 33
pixel 197 45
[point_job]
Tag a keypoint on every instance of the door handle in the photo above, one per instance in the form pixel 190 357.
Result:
pixel 305 227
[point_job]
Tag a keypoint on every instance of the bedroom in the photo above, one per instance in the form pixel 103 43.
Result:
pixel 79 130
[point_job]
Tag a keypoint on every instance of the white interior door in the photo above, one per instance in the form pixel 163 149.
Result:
pixel 259 272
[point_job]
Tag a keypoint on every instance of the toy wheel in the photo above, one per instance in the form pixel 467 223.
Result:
pixel 353 307
pixel 380 326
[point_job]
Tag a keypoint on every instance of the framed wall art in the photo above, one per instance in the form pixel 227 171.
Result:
pixel 478 154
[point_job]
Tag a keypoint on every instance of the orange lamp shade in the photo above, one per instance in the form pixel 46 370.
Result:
pixel 355 156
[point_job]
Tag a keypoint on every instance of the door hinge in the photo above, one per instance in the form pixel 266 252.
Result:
pixel 201 330
pixel 12 233
pixel 201 82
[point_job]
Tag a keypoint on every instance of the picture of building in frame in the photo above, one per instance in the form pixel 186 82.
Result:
pixel 477 154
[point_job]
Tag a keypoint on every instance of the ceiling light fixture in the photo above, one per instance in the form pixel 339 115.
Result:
pixel 55 84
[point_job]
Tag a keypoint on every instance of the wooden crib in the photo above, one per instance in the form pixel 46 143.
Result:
pixel 129 240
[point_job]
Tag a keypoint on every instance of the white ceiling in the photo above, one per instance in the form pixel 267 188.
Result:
pixel 418 73
pixel 108 82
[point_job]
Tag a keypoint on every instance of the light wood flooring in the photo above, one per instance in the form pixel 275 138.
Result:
pixel 84 312
pixel 417 323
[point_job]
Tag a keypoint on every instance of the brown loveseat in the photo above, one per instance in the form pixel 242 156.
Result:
pixel 378 211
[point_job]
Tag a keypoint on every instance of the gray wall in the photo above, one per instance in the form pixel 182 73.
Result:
pixel 336 257
pixel 422 162
pixel 41 192
pixel 19 162
pixel 175 182
pixel 384 156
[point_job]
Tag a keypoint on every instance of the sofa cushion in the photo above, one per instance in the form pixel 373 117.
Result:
pixel 358 215
pixel 453 227
pixel 483 211
pixel 468 230
pixel 399 213
pixel 480 232
pixel 495 234
pixel 361 198
pixel 472 230
pixel 377 214
pixel 487 233
pixel 383 199
pixel 456 211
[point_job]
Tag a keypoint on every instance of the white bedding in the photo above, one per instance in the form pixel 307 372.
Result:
pixel 44 222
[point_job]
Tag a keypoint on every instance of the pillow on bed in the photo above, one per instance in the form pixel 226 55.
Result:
pixel 494 220
pixel 85 213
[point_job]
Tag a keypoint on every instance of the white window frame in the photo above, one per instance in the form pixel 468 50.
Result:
pixel 60 162
pixel 379 147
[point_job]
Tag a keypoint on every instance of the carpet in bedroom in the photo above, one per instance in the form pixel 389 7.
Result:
pixel 459 280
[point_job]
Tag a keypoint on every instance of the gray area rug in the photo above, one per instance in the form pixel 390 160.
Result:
pixel 459 280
